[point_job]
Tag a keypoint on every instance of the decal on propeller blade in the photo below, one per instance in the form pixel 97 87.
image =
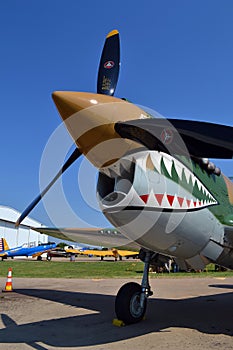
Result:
pixel 106 83
pixel 109 64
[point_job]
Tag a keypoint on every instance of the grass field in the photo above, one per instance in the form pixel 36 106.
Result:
pixel 91 269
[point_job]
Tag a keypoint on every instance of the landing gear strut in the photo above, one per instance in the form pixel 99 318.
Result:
pixel 131 300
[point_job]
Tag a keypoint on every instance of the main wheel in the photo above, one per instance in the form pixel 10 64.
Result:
pixel 127 304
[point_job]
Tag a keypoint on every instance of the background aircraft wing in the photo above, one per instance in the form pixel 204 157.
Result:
pixel 92 236
pixel 127 253
pixel 110 252
pixel 96 252
pixel 41 252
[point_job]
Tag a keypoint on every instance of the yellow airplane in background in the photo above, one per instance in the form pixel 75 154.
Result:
pixel 116 253
pixel 98 252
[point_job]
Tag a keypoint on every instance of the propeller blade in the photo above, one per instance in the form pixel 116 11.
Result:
pixel 73 157
pixel 109 65
pixel 202 139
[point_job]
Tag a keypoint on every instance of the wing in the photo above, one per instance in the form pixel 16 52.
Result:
pixel 202 139
pixel 127 253
pixel 40 253
pixel 97 252
pixel 93 236
pixel 107 237
pixel 110 252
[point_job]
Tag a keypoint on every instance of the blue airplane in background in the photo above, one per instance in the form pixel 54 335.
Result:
pixel 27 249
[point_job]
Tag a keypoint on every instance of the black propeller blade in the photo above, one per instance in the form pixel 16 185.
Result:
pixel 109 65
pixel 73 157
pixel 202 139
pixel 106 84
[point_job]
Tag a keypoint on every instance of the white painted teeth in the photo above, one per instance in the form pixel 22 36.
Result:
pixel 179 170
pixel 167 166
pixel 156 160
pixel 172 163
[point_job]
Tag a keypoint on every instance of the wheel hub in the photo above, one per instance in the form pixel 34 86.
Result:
pixel 135 306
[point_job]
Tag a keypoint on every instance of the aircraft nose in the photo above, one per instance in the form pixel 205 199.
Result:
pixel 90 120
pixel 87 117
pixel 70 102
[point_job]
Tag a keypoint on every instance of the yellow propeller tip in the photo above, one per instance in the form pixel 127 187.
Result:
pixel 113 32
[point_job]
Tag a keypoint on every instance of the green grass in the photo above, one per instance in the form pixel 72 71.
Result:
pixel 66 269
pixel 92 269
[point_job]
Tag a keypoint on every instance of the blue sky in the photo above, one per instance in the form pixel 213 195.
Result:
pixel 176 57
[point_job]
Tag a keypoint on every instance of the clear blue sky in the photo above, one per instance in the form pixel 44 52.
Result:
pixel 177 58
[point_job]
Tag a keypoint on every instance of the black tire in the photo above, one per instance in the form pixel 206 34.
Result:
pixel 127 303
pixel 39 258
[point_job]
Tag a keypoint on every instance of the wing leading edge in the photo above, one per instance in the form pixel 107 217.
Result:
pixel 94 236
pixel 202 139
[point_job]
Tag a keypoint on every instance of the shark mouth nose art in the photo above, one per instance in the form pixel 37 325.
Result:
pixel 162 182
pixel 182 190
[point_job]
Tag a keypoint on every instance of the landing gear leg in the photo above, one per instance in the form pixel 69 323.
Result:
pixel 146 290
pixel 131 300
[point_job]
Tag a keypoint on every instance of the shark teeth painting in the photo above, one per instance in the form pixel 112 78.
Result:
pixel 162 182
pixel 171 184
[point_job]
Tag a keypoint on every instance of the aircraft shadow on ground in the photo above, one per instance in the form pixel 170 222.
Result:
pixel 210 314
pixel 225 286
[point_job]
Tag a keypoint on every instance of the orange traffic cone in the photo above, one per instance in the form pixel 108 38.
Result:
pixel 8 287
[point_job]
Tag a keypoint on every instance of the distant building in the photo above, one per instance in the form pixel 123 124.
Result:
pixel 23 234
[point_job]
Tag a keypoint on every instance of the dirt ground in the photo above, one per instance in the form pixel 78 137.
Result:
pixel 190 313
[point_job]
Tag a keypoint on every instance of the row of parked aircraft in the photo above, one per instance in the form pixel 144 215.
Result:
pixel 51 248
